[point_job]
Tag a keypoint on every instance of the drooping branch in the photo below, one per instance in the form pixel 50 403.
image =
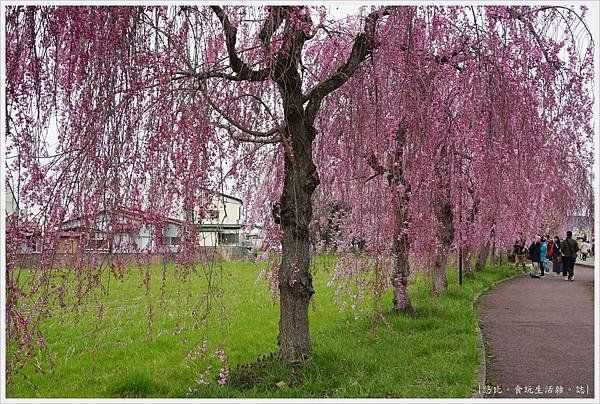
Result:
pixel 233 122
pixel 262 140
pixel 514 14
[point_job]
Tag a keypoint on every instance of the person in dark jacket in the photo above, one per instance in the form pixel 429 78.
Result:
pixel 534 256
pixel 556 258
pixel 569 248
pixel 520 252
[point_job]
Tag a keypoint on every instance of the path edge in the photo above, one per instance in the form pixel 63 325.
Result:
pixel 481 370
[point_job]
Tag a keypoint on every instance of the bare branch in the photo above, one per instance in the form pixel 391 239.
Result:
pixel 274 139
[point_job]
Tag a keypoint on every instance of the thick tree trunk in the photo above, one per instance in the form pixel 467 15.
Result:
pixel 296 289
pixel 482 257
pixel 295 279
pixel 401 269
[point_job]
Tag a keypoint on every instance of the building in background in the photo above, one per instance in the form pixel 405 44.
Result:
pixel 11 201
pixel 254 238
pixel 582 226
pixel 123 230
pixel 120 231
pixel 221 223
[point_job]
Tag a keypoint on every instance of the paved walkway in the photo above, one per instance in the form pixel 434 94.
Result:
pixel 540 332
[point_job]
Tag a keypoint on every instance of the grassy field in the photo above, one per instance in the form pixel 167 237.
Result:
pixel 432 353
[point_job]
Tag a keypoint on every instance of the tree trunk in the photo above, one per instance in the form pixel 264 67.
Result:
pixel 468 265
pixel 482 257
pixel 497 259
pixel 440 282
pixel 295 280
pixel 445 237
pixel 401 269
pixel 400 245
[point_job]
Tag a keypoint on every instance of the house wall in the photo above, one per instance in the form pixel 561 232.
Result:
pixel 254 239
pixel 229 211
pixel 68 245
pixel 144 239
pixel 207 239
pixel 11 203
pixel 173 230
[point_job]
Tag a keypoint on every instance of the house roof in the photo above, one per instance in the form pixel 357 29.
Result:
pixel 232 197
pixel 222 194
pixel 217 227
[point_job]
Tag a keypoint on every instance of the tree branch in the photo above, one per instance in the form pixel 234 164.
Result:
pixel 233 122
pixel 272 22
pixel 237 65
pixel 364 44
pixel 274 139
pixel 514 14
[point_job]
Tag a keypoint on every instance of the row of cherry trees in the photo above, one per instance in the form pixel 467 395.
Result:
pixel 476 131
pixel 427 128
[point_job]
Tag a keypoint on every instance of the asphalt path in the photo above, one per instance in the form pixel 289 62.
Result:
pixel 539 337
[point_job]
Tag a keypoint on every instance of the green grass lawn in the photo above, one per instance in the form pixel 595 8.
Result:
pixel 432 353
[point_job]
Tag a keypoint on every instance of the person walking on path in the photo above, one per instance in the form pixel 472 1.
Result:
pixel 543 256
pixel 520 251
pixel 549 253
pixel 556 259
pixel 569 249
pixel 585 249
pixel 534 256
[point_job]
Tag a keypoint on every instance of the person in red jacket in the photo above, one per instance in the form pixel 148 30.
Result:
pixel 549 252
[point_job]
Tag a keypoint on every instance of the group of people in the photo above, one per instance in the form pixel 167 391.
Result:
pixel 543 250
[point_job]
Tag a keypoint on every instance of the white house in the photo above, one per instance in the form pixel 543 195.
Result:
pixel 221 223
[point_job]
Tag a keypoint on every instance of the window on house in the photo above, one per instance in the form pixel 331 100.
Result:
pixel 229 239
pixel 172 241
pixel 34 245
pixel 97 244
